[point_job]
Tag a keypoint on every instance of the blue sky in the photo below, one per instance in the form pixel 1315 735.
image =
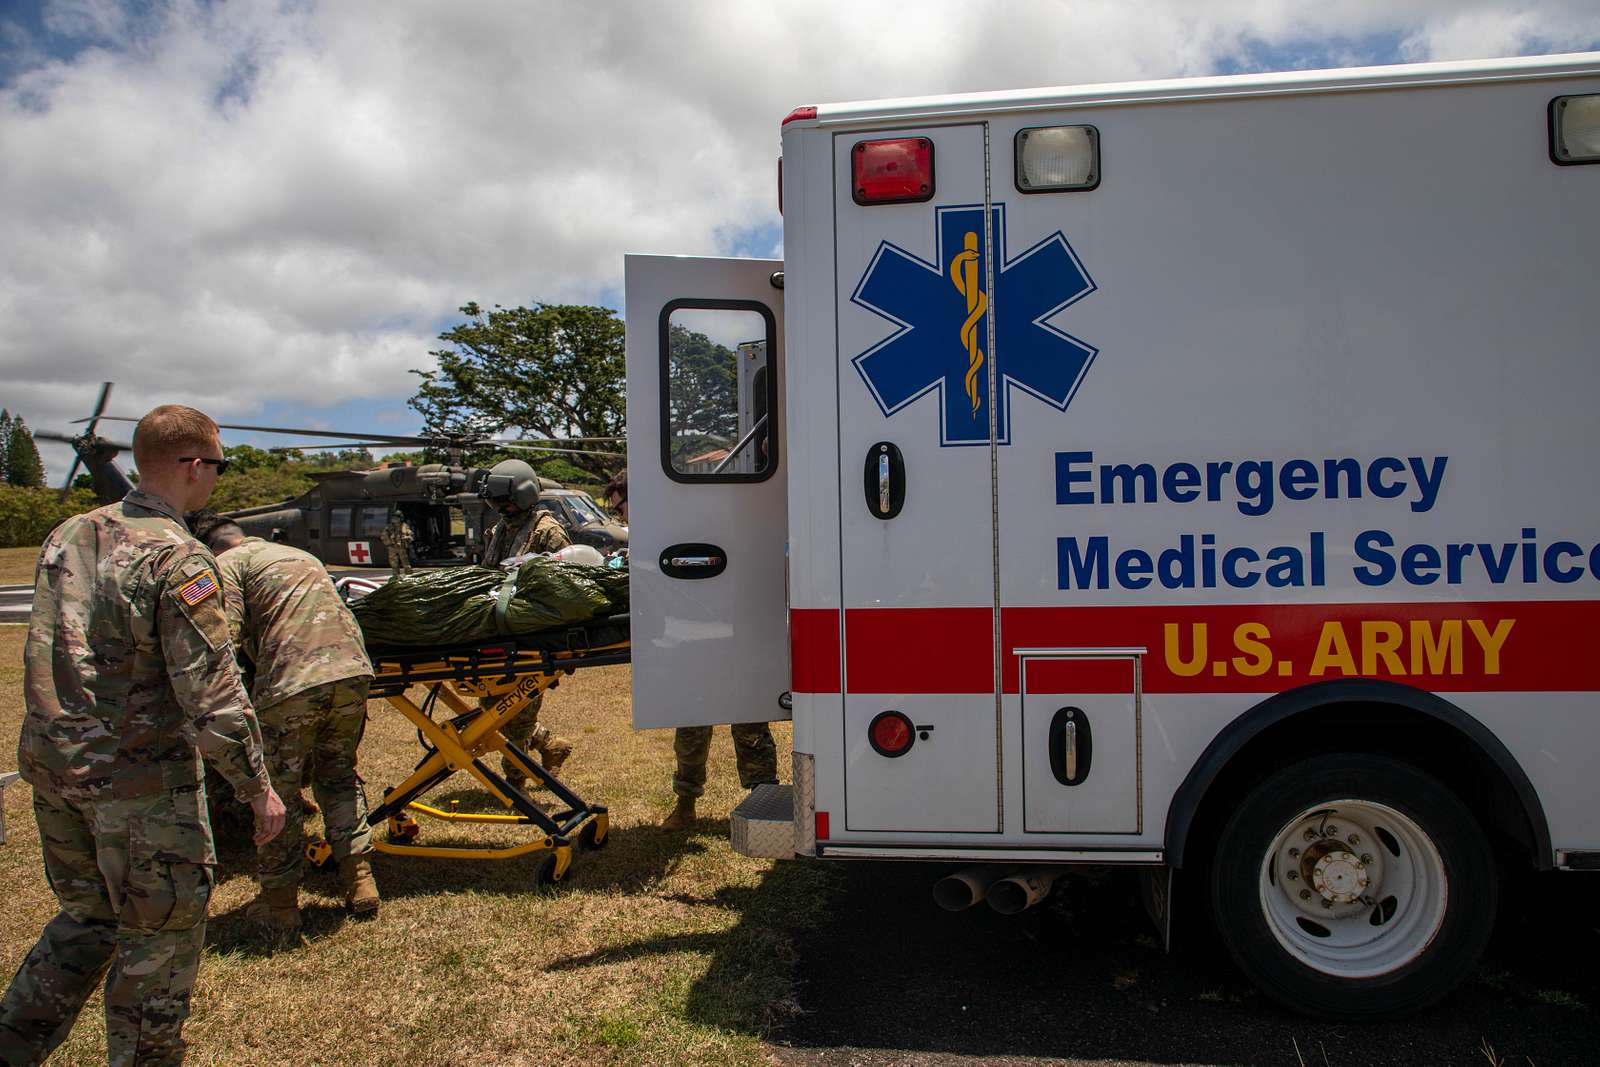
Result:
pixel 271 210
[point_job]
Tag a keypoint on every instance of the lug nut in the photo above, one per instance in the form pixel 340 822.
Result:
pixel 1354 839
pixel 1294 853
pixel 1305 894
pixel 1311 835
pixel 1332 831
pixel 1291 876
pixel 1326 903
pixel 1366 857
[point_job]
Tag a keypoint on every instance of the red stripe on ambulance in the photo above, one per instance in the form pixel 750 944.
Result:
pixel 1539 646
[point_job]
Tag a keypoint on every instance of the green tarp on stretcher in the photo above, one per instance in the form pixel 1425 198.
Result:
pixel 459 605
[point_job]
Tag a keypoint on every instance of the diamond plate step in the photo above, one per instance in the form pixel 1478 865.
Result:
pixel 762 826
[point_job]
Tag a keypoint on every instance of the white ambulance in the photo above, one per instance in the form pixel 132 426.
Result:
pixel 1198 475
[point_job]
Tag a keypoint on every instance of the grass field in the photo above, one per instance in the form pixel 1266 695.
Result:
pixel 662 948
pixel 16 565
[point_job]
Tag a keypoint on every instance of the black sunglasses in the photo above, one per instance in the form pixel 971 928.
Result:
pixel 220 464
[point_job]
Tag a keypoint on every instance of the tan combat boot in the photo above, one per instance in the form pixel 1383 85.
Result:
pixel 360 891
pixel 310 806
pixel 277 909
pixel 555 753
pixel 682 815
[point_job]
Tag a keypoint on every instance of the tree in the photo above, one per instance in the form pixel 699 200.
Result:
pixel 5 440
pixel 556 370
pixel 23 466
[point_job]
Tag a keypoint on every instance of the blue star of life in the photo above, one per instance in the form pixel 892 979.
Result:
pixel 943 326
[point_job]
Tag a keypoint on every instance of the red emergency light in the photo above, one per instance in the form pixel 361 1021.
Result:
pixel 897 171
pixel 890 734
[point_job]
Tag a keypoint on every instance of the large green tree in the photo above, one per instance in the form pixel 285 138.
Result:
pixel 23 466
pixel 5 440
pixel 552 370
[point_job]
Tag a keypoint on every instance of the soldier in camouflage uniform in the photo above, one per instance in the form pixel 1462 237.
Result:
pixel 130 678
pixel 753 747
pixel 397 539
pixel 514 491
pixel 310 692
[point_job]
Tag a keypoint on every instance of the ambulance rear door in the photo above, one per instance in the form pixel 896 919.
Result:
pixel 707 508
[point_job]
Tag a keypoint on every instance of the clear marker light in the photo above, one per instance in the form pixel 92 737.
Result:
pixel 1052 158
pixel 1577 129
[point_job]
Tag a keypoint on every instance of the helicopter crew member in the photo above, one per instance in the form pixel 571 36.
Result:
pixel 513 489
pixel 397 539
pixel 129 678
pixel 310 691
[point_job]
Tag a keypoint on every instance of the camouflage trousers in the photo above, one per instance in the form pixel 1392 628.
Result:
pixel 133 877
pixel 523 730
pixel 752 746
pixel 321 726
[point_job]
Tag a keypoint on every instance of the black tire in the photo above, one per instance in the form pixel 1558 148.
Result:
pixel 1242 918
pixel 586 837
pixel 544 875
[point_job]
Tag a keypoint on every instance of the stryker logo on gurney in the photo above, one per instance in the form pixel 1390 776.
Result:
pixel 1255 487
pixel 942 311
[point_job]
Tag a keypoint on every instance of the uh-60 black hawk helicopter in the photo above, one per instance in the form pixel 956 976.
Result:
pixel 341 519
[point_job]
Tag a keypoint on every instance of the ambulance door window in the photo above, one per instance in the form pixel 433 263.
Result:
pixel 714 426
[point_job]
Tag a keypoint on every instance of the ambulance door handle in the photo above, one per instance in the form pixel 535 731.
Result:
pixel 884 480
pixel 1071 746
pixel 692 561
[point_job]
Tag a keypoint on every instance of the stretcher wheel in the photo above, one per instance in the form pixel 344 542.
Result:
pixel 593 836
pixel 318 852
pixel 545 874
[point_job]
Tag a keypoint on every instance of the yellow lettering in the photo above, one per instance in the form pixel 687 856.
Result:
pixel 1333 650
pixel 1247 638
pixel 1175 661
pixel 1430 657
pixel 1491 643
pixel 1379 640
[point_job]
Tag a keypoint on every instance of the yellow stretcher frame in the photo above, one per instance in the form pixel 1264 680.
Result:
pixel 484 687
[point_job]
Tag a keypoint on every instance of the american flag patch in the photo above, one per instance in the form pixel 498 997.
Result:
pixel 198 589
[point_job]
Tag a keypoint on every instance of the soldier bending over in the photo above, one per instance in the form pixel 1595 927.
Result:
pixel 310 692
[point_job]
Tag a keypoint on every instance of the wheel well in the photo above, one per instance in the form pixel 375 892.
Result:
pixel 1410 725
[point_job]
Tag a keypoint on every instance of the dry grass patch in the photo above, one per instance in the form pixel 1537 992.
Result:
pixel 661 948
pixel 16 565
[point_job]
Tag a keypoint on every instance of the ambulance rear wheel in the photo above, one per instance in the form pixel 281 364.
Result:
pixel 1353 887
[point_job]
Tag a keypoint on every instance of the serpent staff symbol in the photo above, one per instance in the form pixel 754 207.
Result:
pixel 964 273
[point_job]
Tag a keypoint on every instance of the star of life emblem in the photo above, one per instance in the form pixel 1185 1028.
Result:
pixel 942 312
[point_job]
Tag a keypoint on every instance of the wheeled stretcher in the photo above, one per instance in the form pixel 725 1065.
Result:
pixel 472 692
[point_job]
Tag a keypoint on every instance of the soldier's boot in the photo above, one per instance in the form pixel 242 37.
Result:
pixel 554 752
pixel 310 806
pixel 682 815
pixel 278 909
pixel 513 775
pixel 360 891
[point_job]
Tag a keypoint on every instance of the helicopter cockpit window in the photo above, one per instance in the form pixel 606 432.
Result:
pixel 719 403
pixel 339 522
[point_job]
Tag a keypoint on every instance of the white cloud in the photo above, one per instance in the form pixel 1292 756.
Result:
pixel 237 202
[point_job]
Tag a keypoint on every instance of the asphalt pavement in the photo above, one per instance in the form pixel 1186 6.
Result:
pixel 15 602
pixel 889 978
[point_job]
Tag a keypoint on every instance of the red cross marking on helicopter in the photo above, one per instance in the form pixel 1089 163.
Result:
pixel 359 553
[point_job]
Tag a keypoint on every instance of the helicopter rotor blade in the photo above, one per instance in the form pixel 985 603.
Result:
pixel 519 446
pixel 99 406
pixel 385 439
pixel 72 472
pixel 89 440
pixel 339 444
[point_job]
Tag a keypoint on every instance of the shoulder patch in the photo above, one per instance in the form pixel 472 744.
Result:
pixel 197 589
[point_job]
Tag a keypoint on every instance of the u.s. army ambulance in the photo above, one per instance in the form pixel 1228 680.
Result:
pixel 1198 475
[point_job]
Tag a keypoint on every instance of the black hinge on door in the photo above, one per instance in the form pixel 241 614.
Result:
pixel 884 480
pixel 1071 746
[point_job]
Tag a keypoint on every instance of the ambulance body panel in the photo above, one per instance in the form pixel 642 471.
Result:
pixel 1274 441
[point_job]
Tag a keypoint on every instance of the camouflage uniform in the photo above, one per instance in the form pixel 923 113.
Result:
pixel 531 531
pixel 129 678
pixel 397 539
pixel 310 691
pixel 753 747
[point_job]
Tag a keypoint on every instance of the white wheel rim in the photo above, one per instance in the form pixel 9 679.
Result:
pixel 1332 869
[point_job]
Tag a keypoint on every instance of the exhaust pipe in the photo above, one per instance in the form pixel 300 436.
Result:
pixel 966 887
pixel 1021 891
